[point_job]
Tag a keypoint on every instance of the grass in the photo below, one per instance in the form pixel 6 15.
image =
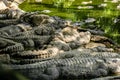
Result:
pixel 104 16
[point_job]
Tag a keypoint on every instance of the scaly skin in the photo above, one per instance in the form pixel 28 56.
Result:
pixel 58 22
pixel 14 48
pixel 102 39
pixel 35 19
pixel 33 41
pixel 28 57
pixel 9 22
pixel 71 68
pixel 9 30
pixel 54 53
pixel 77 53
pixel 40 30
pixel 12 13
pixel 66 72
pixel 10 46
pixel 61 62
pixel 47 63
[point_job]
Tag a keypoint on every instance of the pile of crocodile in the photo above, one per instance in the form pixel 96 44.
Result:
pixel 43 47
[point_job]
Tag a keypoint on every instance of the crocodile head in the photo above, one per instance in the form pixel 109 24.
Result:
pixel 113 65
pixel 38 19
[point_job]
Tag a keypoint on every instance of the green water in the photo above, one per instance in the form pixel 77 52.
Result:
pixel 104 15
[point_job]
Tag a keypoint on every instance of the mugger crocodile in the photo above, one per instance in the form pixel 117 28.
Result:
pixel 71 68
pixel 28 57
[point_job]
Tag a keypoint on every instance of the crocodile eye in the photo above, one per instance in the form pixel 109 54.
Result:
pixel 115 61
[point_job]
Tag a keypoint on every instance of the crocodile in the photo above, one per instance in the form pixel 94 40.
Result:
pixel 25 29
pixel 72 68
pixel 8 22
pixel 69 34
pixel 55 53
pixel 33 41
pixel 44 49
pixel 87 53
pixel 4 11
pixel 69 38
pixel 10 45
pixel 26 57
pixel 71 72
pixel 14 48
pixel 35 19
pixel 40 30
pixel 60 62
pixel 103 39
pixel 11 29
pixel 12 7
pixel 11 13
pixel 75 72
pixel 21 43
pixel 58 22
pixel 61 45
pixel 98 36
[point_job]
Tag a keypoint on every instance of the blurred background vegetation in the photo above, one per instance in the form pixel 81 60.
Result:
pixel 104 11
pixel 6 74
